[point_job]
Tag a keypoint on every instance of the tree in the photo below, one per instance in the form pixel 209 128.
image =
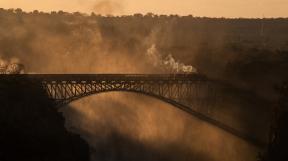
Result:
pixel 138 15
pixel 35 12
pixel 61 12
pixel 53 13
pixel 93 14
pixel 149 14
pixel 10 10
pixel 18 11
pixel 78 14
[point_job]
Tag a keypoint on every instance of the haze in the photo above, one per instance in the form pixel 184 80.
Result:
pixel 209 8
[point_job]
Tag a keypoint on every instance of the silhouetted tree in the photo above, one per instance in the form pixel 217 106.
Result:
pixel 61 12
pixel 53 13
pixel 77 14
pixel 150 15
pixel 18 11
pixel 35 12
pixel 138 15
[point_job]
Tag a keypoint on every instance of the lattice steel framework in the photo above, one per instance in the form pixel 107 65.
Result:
pixel 188 90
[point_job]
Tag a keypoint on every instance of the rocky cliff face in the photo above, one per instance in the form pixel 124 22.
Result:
pixel 31 129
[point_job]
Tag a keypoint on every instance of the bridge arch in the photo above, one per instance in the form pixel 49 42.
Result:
pixel 174 103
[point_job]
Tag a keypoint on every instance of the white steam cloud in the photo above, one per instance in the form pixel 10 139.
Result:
pixel 13 66
pixel 168 63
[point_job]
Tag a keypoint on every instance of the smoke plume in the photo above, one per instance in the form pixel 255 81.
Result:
pixel 13 66
pixel 169 64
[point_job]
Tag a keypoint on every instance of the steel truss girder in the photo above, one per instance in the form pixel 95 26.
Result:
pixel 191 92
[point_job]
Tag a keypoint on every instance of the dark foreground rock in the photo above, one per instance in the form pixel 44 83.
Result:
pixel 31 129
pixel 277 149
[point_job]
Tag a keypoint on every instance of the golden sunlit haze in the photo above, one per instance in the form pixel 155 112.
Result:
pixel 209 8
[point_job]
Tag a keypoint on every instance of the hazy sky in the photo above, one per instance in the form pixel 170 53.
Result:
pixel 211 8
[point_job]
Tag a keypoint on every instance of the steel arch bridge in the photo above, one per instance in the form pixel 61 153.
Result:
pixel 192 93
pixel 189 90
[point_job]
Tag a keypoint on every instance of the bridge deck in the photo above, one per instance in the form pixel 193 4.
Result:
pixel 95 77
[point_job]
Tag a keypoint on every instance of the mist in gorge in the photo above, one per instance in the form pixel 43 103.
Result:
pixel 128 127
pixel 250 55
